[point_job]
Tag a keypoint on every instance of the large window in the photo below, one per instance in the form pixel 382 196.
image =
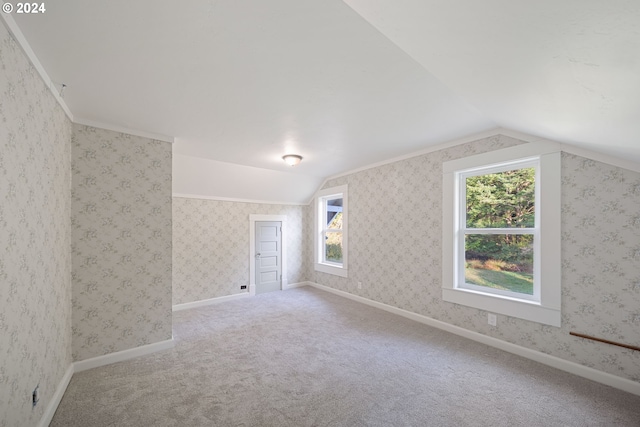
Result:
pixel 331 231
pixel 498 236
pixel 501 249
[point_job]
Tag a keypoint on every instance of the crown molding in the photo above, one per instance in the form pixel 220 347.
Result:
pixel 566 147
pixel 19 37
pixel 121 129
pixel 230 199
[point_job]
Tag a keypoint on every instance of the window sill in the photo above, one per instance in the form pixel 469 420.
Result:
pixel 331 269
pixel 507 306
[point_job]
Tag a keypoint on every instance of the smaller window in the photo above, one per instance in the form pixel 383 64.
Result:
pixel 331 231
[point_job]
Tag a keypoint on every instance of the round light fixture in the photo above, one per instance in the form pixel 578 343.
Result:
pixel 292 159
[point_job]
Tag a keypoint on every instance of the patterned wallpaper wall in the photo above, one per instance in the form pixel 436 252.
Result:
pixel 395 251
pixel 211 246
pixel 121 241
pixel 35 256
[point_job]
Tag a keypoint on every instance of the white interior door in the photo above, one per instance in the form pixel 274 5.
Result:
pixel 268 256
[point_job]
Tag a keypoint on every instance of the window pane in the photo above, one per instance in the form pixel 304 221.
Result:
pixel 500 261
pixel 333 247
pixel 334 213
pixel 501 200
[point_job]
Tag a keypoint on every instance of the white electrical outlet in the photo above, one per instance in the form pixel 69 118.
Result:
pixel 359 285
pixel 492 319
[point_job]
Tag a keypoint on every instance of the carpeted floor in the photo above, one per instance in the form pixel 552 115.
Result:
pixel 305 357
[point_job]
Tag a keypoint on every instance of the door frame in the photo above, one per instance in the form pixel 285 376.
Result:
pixel 253 218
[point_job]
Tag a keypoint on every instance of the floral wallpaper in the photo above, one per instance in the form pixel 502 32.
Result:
pixel 86 231
pixel 395 251
pixel 121 241
pixel 211 246
pixel 35 257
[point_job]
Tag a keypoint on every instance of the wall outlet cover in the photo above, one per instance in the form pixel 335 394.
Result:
pixel 492 319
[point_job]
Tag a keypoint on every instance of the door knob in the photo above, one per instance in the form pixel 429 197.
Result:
pixel 258 255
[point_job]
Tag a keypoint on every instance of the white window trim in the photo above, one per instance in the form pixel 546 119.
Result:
pixel 326 267
pixel 548 264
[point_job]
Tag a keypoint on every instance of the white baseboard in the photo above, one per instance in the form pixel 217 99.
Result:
pixel 296 285
pixel 119 356
pixel 546 359
pixel 95 362
pixel 50 411
pixel 217 300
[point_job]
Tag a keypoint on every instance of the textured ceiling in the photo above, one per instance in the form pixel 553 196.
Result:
pixel 566 70
pixel 345 84
pixel 248 81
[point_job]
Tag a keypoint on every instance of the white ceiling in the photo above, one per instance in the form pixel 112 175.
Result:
pixel 345 84
pixel 567 70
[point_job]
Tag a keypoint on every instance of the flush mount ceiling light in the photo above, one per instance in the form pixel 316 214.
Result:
pixel 292 159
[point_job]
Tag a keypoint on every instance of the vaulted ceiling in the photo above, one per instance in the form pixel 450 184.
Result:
pixel 342 83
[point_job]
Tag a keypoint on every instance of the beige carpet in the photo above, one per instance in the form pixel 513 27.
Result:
pixel 308 358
